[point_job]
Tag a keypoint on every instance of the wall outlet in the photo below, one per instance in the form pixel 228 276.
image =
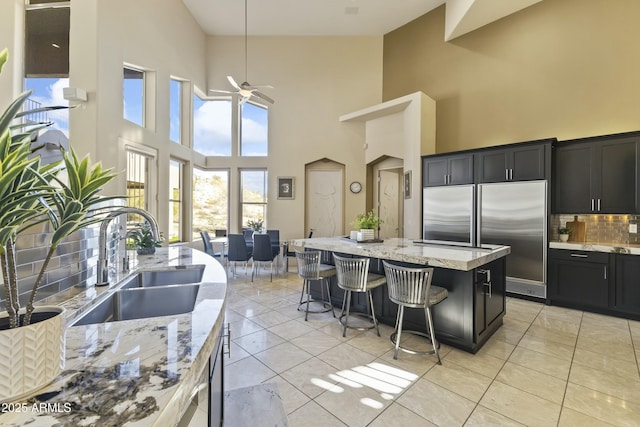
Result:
pixel 633 228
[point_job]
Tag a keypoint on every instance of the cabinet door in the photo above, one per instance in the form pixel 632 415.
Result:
pixel 581 282
pixel 627 286
pixel 615 184
pixel 493 166
pixel 435 172
pixel 460 169
pixel 527 163
pixel 572 168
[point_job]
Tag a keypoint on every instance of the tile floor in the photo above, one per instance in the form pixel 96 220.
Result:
pixel 547 366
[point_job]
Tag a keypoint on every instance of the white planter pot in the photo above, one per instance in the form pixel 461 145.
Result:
pixel 31 356
pixel 353 235
pixel 366 234
pixel 564 237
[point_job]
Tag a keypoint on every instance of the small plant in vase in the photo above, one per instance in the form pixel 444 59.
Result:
pixel 255 225
pixel 368 223
pixel 142 240
pixel 564 233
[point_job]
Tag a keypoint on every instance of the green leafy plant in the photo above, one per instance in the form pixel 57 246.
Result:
pixel 32 193
pixel 255 224
pixel 564 230
pixel 142 238
pixel 367 220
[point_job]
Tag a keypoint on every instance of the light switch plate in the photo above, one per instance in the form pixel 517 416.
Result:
pixel 633 228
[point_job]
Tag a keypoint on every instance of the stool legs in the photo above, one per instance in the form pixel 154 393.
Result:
pixel 346 306
pixel 347 299
pixel 373 315
pixel 399 318
pixel 432 334
pixel 306 287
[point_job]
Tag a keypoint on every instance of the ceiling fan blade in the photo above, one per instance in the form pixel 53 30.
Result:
pixel 244 99
pixel 262 86
pixel 221 91
pixel 263 96
pixel 233 82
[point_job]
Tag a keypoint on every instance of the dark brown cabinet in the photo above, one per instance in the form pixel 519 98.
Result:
pixel 447 170
pixel 627 289
pixel 521 163
pixel 489 296
pixel 597 175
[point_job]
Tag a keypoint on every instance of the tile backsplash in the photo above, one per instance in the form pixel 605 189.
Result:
pixel 601 228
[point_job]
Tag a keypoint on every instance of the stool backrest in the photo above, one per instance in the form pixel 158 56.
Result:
pixel 408 286
pixel 352 273
pixel 308 264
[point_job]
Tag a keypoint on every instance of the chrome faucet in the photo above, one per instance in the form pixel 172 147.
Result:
pixel 103 259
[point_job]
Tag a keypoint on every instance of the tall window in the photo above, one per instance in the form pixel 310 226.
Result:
pixel 212 126
pixel 253 195
pixel 175 110
pixel 133 95
pixel 210 201
pixel 138 180
pixel 254 130
pixel 176 169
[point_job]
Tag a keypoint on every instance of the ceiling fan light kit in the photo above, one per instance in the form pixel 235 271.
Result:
pixel 246 90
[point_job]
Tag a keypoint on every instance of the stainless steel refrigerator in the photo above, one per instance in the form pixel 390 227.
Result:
pixel 510 213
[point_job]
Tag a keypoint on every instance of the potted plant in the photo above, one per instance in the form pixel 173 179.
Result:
pixel 142 240
pixel 255 225
pixel 32 340
pixel 564 233
pixel 368 223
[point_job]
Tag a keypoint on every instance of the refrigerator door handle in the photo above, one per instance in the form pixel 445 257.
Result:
pixel 593 204
pixel 506 174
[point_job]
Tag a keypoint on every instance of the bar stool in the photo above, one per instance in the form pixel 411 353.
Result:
pixel 310 269
pixel 354 276
pixel 411 287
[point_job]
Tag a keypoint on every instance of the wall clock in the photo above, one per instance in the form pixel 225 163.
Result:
pixel 355 187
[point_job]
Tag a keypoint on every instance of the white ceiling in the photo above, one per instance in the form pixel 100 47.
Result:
pixel 307 17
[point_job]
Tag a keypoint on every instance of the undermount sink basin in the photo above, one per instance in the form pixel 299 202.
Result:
pixel 140 303
pixel 147 279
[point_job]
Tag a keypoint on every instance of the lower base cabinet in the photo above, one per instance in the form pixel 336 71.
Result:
pixel 627 289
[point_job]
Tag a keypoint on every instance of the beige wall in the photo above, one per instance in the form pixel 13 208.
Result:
pixel 563 68
pixel 12 38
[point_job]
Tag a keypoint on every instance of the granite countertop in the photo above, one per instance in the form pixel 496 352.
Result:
pixel 407 250
pixel 619 248
pixel 134 372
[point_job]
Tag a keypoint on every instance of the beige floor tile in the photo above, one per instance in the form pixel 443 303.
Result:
pixel 481 363
pixel 604 362
pixel 571 418
pixel 568 315
pixel 318 320
pixel 515 324
pixel 624 388
pixel 250 308
pixel 417 364
pixel 619 351
pixel 291 329
pixel 540 362
pixel 459 380
pixel 237 353
pixel 553 334
pixel 597 320
pixel 524 305
pixel 521 406
pixel 313 415
pixel 283 357
pixel 345 356
pixel 243 327
pixel 608 334
pixel 601 406
pixel 482 417
pixel 371 343
pixel 246 372
pixel 232 316
pixel 437 404
pixel 508 335
pixel 522 317
pixel 270 318
pixel 398 416
pixel 315 342
pixel 258 341
pixel 496 348
pixel 334 329
pixel 311 377
pixel 551 348
pixel 292 398
pixel 536 383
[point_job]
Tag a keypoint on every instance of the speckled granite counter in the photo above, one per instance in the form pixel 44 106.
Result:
pixel 405 250
pixel 617 248
pixel 135 372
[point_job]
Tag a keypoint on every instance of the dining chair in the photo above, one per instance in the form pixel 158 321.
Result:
pixel 262 253
pixel 238 251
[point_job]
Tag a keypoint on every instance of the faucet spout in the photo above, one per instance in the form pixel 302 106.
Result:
pixel 103 259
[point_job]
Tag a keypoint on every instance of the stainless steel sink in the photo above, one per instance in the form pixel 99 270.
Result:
pixel 146 279
pixel 139 303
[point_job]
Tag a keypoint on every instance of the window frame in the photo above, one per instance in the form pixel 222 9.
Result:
pixel 143 102
pixel 179 201
pixel 241 201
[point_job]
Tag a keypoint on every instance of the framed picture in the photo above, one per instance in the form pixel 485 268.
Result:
pixel 285 187
pixel 407 185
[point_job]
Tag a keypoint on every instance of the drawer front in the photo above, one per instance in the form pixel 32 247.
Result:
pixel 586 256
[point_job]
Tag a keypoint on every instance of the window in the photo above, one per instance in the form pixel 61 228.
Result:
pixel 138 181
pixel 175 201
pixel 210 201
pixel 175 110
pixel 253 187
pixel 254 130
pixel 212 126
pixel 133 95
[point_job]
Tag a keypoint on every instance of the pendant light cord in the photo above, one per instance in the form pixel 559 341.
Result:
pixel 245 41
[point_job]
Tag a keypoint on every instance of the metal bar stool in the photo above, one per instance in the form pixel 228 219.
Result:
pixel 354 276
pixel 411 287
pixel 310 269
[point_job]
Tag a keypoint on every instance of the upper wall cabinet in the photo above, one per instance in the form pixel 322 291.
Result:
pixel 447 170
pixel 597 175
pixel 523 162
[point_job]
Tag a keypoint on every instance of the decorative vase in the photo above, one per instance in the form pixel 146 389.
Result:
pixel 353 235
pixel 366 234
pixel 31 356
pixel 564 237
pixel 146 251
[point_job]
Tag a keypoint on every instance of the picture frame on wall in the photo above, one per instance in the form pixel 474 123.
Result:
pixel 286 187
pixel 407 184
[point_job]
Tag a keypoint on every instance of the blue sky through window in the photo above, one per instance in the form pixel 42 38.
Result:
pixel 133 96
pixel 254 130
pixel 48 92
pixel 212 126
pixel 174 110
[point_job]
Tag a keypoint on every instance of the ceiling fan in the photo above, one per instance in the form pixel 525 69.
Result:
pixel 245 89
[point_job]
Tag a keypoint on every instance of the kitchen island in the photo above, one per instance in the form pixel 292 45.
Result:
pixel 142 372
pixel 475 278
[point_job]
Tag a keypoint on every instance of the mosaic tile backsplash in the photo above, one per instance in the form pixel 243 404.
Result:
pixel 601 228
